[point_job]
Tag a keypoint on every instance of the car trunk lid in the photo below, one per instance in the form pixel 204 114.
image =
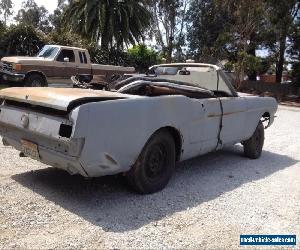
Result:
pixel 62 99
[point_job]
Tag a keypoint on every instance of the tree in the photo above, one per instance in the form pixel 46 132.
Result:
pixel 21 40
pixel 208 37
pixel 247 20
pixel 34 15
pixel 282 15
pixel 2 36
pixel 168 28
pixel 294 51
pixel 55 19
pixel 6 9
pixel 111 22
pixel 142 57
pixel 227 29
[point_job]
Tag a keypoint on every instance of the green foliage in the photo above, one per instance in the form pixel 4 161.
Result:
pixel 251 64
pixel 142 57
pixel 33 15
pixel 112 56
pixel 279 27
pixel 227 29
pixel 138 56
pixel 67 39
pixel 21 40
pixel 208 31
pixel 229 66
pixel 113 22
pixel 2 29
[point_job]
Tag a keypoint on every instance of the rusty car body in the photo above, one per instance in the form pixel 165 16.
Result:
pixel 55 64
pixel 191 109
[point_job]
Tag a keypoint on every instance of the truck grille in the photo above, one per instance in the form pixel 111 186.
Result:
pixel 7 66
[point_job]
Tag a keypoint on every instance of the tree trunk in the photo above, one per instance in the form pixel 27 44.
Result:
pixel 280 63
pixel 170 50
pixel 105 36
pixel 251 51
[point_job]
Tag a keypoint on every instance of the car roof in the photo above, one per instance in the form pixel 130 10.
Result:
pixel 66 47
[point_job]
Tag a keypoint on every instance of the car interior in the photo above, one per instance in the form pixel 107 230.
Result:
pixel 193 82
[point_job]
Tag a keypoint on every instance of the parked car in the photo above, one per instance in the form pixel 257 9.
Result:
pixel 152 121
pixel 55 64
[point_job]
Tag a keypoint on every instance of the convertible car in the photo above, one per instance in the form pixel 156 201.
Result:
pixel 141 128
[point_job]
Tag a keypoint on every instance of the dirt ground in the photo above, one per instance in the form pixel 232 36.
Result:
pixel 209 202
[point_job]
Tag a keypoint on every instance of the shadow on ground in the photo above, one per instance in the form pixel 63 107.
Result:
pixel 108 202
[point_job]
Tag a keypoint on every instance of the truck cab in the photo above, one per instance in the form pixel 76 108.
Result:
pixel 55 64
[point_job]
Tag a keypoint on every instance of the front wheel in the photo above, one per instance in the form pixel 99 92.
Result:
pixel 154 167
pixel 253 146
pixel 35 80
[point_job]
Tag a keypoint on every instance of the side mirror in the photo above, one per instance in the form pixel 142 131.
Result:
pixel 66 59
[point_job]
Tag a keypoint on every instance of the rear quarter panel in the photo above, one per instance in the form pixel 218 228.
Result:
pixel 116 131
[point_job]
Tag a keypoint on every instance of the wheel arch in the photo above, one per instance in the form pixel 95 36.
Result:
pixel 36 72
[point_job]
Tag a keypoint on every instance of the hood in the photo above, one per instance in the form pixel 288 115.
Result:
pixel 63 99
pixel 22 59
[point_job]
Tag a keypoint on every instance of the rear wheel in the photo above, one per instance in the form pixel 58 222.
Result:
pixel 35 80
pixel 253 146
pixel 154 167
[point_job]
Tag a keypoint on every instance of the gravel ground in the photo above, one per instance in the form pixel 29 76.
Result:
pixel 210 201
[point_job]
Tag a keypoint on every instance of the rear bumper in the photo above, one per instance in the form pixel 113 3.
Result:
pixel 53 158
pixel 8 77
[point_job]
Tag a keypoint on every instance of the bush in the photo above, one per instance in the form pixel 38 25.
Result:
pixel 112 56
pixel 142 57
pixel 21 40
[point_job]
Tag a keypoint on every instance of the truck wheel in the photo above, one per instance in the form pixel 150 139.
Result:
pixel 154 167
pixel 253 146
pixel 35 80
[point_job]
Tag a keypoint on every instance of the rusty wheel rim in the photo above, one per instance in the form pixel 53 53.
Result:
pixel 156 161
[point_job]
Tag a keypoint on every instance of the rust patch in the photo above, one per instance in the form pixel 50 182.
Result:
pixel 231 113
pixel 213 115
pixel 228 113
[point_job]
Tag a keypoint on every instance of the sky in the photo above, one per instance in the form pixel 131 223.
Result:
pixel 50 5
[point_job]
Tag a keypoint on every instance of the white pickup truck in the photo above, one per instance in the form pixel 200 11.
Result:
pixel 55 64
pixel 140 130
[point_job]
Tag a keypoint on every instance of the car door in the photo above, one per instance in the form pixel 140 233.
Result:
pixel 211 124
pixel 64 67
pixel 234 114
pixel 221 120
pixel 206 113
pixel 234 119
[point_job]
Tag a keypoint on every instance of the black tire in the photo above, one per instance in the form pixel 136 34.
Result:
pixel 154 167
pixel 253 146
pixel 35 80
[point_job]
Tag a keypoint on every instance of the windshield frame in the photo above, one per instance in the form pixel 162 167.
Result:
pixel 53 53
pixel 223 75
pixel 220 74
